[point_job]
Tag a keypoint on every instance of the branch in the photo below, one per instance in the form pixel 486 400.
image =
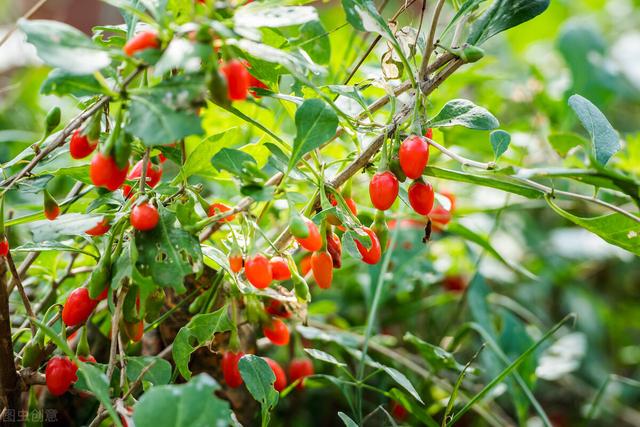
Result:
pixel 428 50
pixel 23 295
pixel 9 380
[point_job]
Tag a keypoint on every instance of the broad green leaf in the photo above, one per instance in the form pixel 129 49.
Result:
pixel 193 404
pixel 232 160
pixel 323 357
pixel 158 374
pixel 314 40
pixel 500 141
pixel 614 228
pixel 200 328
pixel 199 158
pixel 502 15
pixel 157 122
pixel 604 139
pixel 562 143
pixel 66 225
pixel 62 46
pixel 60 82
pixel 436 356
pixel 265 14
pixel 98 383
pixel 463 112
pixel 297 64
pixel 316 123
pixel 259 379
pixel 344 339
pixel 168 253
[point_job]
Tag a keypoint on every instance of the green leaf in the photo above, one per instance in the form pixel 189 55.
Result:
pixel 62 46
pixel 436 356
pixel 98 383
pixel 614 228
pixel 158 374
pixel 316 123
pixel 66 225
pixel 193 404
pixel 562 143
pixel 319 49
pixel 265 14
pixel 50 246
pixel 500 141
pixel 168 253
pixel 348 422
pixel 465 113
pixel 201 327
pixel 324 357
pixel 363 16
pixel 259 379
pixel 604 139
pixel 502 15
pixel 60 82
pixel 232 160
pixel 160 121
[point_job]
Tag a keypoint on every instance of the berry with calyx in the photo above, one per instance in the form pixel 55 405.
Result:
pixel 374 253
pixel 414 156
pixel 144 217
pixel 277 332
pixel 421 197
pixel 141 41
pixel 238 80
pixel 235 261
pixel 51 208
pixel 105 172
pixel 280 268
pixel 300 369
pixel 258 271
pixel 322 268
pixel 80 146
pixel 230 370
pixel 78 307
pixel 313 241
pixel 383 190
pixel 281 378
pixel 60 375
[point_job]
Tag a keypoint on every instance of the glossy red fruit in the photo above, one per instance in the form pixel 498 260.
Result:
pixel 277 332
pixel 313 241
pixel 104 172
pixel 429 133
pixel 52 212
pixel 258 271
pixel 383 190
pixel 230 370
pixel 154 174
pixel 59 375
pixel 141 41
pixel 421 197
pixel 280 268
pixel 256 83
pixel 374 253
pixel 144 217
pixel 281 378
pixel 276 308
pixel 322 268
pixel 235 262
pixel 80 146
pixel 399 412
pixel 4 246
pixel 334 247
pixel 300 369
pixel 440 215
pixel 238 79
pixel 78 307
pixel 305 265
pixel 104 294
pixel 413 156
pixel 217 208
pixel 100 228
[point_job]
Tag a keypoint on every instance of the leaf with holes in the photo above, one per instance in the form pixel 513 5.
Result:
pixel 168 253
pixel 200 328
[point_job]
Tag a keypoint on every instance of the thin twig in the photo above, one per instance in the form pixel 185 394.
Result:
pixel 428 49
pixel 23 294
pixel 27 15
